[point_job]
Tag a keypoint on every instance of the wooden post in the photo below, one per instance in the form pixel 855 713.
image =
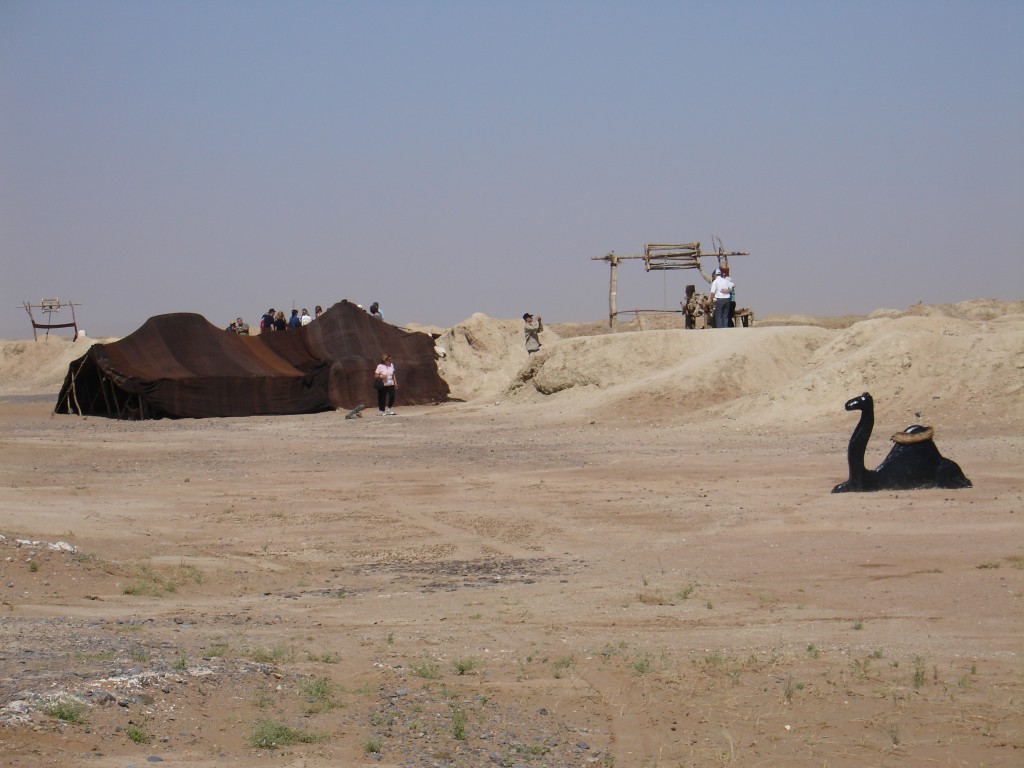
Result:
pixel 613 288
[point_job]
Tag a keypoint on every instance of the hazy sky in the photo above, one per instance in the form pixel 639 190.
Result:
pixel 446 158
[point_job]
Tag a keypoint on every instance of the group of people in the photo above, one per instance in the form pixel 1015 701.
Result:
pixel 723 292
pixel 384 379
pixel 276 321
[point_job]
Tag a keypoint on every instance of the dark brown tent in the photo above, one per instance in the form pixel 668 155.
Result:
pixel 353 341
pixel 181 366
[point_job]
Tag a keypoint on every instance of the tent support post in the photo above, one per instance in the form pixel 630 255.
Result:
pixel 103 391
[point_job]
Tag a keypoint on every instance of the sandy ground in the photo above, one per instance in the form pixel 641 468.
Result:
pixel 621 552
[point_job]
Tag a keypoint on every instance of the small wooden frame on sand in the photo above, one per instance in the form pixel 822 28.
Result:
pixel 49 307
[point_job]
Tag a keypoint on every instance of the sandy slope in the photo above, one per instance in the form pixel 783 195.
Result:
pixel 621 551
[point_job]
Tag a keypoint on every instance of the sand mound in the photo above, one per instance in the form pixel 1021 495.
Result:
pixel 483 355
pixel 952 364
pixel 944 364
pixel 38 367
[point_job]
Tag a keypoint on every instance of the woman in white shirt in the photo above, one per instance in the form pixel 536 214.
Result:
pixel 385 382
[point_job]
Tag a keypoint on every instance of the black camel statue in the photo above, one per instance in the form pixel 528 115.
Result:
pixel 913 462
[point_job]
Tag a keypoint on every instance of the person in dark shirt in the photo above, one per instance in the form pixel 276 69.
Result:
pixel 267 322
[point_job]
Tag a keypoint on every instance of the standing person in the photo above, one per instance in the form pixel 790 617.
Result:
pixel 318 311
pixel 280 324
pixel 375 311
pixel 732 299
pixel 385 382
pixel 305 319
pixel 532 331
pixel 241 327
pixel 267 321
pixel 721 288
pixel 294 321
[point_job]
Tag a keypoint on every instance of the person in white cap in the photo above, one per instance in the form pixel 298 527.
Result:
pixel 721 291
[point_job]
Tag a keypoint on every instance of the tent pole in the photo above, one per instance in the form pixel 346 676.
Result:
pixel 103 391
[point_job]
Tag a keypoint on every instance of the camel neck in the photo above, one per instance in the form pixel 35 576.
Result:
pixel 859 442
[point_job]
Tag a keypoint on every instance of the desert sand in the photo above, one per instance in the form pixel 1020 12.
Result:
pixel 622 551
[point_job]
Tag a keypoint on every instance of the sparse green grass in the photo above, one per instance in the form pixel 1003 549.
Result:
pixel 372 747
pixel 459 720
pixel 138 655
pixel 861 668
pixel 271 734
pixel 788 691
pixel 812 651
pixel 641 665
pixel 685 592
pixel 919 674
pixel 714 660
pixel 317 689
pixel 262 700
pixel 652 598
pixel 527 750
pixel 66 710
pixel 273 655
pixel 462 666
pixel 137 734
pixel 101 656
pixel 993 564
pixel 33 566
pixel 893 732
pixel 216 650
pixel 858 625
pixel 325 657
pixel 181 663
pixel 428 670
pixel 563 664
pixel 150 583
pixel 610 650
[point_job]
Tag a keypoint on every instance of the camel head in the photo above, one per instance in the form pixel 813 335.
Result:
pixel 860 403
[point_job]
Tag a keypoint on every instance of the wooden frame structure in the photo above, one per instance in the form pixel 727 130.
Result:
pixel 128 407
pixel 48 307
pixel 662 256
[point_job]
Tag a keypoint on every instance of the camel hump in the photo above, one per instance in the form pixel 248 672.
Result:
pixel 914 434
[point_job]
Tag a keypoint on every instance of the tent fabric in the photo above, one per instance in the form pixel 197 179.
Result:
pixel 353 341
pixel 180 366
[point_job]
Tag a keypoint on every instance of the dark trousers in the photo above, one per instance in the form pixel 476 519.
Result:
pixel 722 313
pixel 385 398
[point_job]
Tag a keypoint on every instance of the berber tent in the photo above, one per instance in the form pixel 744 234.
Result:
pixel 181 366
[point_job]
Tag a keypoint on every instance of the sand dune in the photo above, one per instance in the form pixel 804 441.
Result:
pixel 960 362
pixel 953 364
pixel 622 550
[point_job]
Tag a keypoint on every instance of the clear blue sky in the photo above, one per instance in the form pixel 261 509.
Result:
pixel 446 158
